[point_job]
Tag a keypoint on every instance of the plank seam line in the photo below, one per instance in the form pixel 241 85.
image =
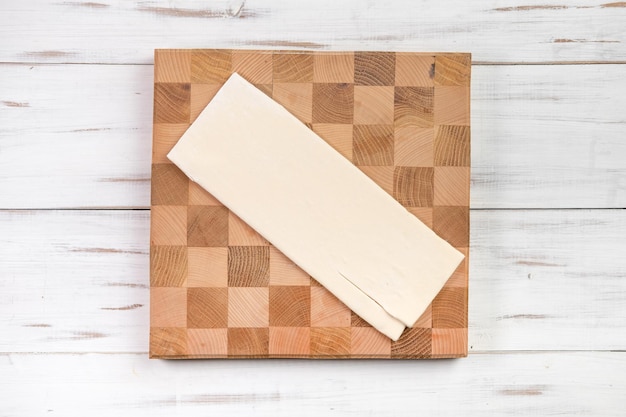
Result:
pixel 474 63
pixel 69 209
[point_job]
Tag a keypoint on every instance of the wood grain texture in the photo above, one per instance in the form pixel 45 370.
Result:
pixel 358 117
pixel 172 102
pixel 575 383
pixel 207 308
pixel 513 32
pixel 413 186
pixel 290 306
pixel 414 106
pixel 372 145
pixel 248 266
pixel 524 117
pixel 333 103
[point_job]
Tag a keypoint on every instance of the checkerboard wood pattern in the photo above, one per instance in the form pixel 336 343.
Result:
pixel 220 290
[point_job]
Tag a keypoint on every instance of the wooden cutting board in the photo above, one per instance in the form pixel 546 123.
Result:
pixel 219 290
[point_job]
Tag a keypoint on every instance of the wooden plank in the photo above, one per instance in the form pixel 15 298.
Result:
pixel 77 281
pixel 543 136
pixel 575 383
pixel 545 279
pixel 75 136
pixel 74 280
pixel 118 31
pixel 548 137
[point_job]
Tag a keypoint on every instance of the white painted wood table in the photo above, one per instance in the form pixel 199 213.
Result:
pixel 548 225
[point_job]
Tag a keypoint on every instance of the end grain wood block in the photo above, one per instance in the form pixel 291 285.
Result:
pixel 171 102
pixel 248 342
pixel 414 70
pixel 290 306
pixel 415 342
pixel 414 146
pixel 207 308
pixel 290 341
pixel 452 69
pixel 207 342
pixel 403 118
pixel 374 68
pixel 373 105
pixel 210 66
pixel 331 341
pixel 413 186
pixel 164 137
pixel 255 66
pixel 172 66
pixel 293 68
pixel 452 146
pixel 169 224
pixel 248 266
pixel 333 67
pixel 373 145
pixel 367 341
pixel 168 342
pixel 169 185
pixel 414 106
pixel 168 266
pixel 168 307
pixel 333 103
pixel 207 267
pixel 248 307
pixel 207 226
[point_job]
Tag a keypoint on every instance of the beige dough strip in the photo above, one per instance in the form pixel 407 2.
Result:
pixel 315 206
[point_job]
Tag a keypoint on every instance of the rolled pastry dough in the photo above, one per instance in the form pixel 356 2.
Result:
pixel 315 206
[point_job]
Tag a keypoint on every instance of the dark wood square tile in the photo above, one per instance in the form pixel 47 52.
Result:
pixel 290 306
pixel 169 185
pixel 248 342
pixel 414 106
pixel 414 343
pixel 452 146
pixel 413 186
pixel 449 308
pixel 374 68
pixel 333 103
pixel 172 102
pixel 248 266
pixel 207 308
pixel 373 145
pixel 168 266
pixel 452 224
pixel 207 226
